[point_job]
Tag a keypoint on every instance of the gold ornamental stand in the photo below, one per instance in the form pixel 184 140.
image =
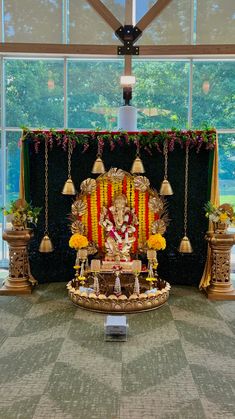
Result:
pixel 18 281
pixel 221 287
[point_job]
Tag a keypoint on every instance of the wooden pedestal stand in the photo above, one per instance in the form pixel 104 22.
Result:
pixel 221 287
pixel 19 271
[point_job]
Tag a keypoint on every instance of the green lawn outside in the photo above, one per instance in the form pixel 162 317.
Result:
pixel 228 199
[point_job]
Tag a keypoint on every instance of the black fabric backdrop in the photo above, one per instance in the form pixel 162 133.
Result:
pixel 174 267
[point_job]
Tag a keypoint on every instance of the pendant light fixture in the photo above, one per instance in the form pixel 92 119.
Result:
pixel 69 188
pixel 46 245
pixel 185 245
pixel 165 188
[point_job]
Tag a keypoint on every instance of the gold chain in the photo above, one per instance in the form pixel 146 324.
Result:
pixel 165 152
pixel 46 187
pixel 70 151
pixel 186 190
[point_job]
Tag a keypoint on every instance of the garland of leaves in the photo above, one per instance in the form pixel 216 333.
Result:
pixel 147 140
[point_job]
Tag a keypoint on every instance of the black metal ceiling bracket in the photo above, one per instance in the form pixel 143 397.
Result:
pixel 128 35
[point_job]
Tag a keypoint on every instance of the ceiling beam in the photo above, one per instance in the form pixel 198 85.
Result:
pixel 152 13
pixel 129 12
pixel 187 50
pixel 128 21
pixel 105 13
pixel 145 50
pixel 60 49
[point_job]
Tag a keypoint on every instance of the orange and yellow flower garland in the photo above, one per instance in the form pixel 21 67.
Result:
pixel 103 196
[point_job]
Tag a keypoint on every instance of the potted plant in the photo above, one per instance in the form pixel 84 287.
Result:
pixel 21 214
pixel 221 216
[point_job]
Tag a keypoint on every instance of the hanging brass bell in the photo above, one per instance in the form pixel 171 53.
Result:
pixel 69 188
pixel 166 188
pixel 185 245
pixel 46 245
pixel 98 166
pixel 137 166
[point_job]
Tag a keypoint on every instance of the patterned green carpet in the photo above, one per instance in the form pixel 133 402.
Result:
pixel 178 361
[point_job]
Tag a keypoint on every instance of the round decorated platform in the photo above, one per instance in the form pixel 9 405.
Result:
pixel 106 301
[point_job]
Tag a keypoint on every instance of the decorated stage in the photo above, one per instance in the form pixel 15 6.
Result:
pixel 119 150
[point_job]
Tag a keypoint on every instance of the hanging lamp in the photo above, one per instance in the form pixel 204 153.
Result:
pixel 137 165
pixel 185 245
pixel 165 188
pixel 46 245
pixel 69 188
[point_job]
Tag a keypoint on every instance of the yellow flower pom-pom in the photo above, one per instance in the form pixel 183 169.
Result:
pixel 150 279
pixel 223 217
pixel 156 242
pixel 77 241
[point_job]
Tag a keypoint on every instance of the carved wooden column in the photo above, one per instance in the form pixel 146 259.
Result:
pixel 221 287
pixel 18 281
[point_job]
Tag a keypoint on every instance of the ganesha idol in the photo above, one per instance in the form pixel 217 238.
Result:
pixel 119 222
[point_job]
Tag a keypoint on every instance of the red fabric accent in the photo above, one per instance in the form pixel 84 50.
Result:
pixel 109 194
pixel 89 233
pixel 124 186
pixel 156 216
pixel 98 215
pixel 137 227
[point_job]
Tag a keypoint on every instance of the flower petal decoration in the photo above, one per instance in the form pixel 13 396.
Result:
pixel 79 207
pixel 155 203
pixel 77 227
pixel 88 186
pixel 141 183
pixel 158 226
pixel 116 175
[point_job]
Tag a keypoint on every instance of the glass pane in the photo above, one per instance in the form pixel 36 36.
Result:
pixel 34 93
pixel 33 21
pixel 13 166
pixel 94 93
pixel 213 94
pixel 161 93
pixel 142 6
pixel 215 22
pixel 227 168
pixel 86 26
pixel 172 26
pixel 117 7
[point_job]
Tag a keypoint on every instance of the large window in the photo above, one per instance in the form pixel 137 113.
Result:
pixel 76 22
pixel 86 94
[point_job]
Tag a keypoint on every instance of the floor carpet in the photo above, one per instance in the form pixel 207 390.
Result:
pixel 178 361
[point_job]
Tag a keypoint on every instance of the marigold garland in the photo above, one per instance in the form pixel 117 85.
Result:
pixel 103 197
pixel 156 242
pixel 77 241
